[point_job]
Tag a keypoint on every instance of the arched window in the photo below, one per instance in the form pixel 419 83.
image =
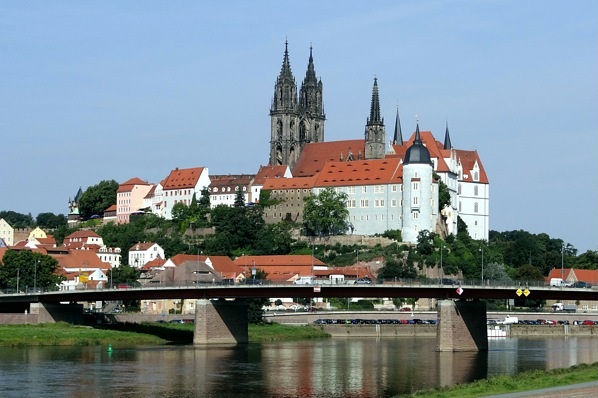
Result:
pixel 459 189
pixel 476 176
pixel 475 207
pixel 459 206
pixel 475 190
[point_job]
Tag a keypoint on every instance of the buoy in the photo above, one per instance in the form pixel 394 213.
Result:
pixel 109 347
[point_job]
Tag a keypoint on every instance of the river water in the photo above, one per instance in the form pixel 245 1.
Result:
pixel 329 368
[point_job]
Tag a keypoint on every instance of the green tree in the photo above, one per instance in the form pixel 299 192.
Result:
pixel 51 220
pixel 28 270
pixel 274 239
pixel 96 199
pixel 444 196
pixel 239 198
pixel 326 213
pixel 124 274
pixel 17 220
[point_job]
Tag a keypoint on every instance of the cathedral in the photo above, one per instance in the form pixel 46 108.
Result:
pixel 390 184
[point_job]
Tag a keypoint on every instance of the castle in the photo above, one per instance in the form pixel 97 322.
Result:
pixel 390 186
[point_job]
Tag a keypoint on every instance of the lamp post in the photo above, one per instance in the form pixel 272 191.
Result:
pixel 441 269
pixel 482 250
pixel 357 263
pixel 18 272
pixel 35 276
pixel 563 262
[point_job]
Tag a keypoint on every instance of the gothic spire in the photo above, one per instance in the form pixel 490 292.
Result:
pixel 285 90
pixel 375 106
pixel 398 138
pixel 447 138
pixel 285 71
pixel 310 75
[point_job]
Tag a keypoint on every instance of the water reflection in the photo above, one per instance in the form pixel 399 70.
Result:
pixel 351 367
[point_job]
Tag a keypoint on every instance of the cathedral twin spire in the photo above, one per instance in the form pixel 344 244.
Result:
pixel 295 119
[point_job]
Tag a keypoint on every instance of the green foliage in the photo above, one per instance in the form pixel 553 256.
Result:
pixel 326 213
pixel 444 196
pixel 393 234
pixel 274 239
pixel 96 199
pixel 239 197
pixel 51 220
pixel 17 220
pixel 124 274
pixel 28 269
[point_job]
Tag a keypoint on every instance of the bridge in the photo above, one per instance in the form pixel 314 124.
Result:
pixel 221 315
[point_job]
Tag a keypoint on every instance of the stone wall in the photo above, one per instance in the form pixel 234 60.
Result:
pixel 378 330
pixel 220 322
pixel 462 326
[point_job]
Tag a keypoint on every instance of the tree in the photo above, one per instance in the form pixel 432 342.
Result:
pixel 51 220
pixel 326 213
pixel 96 199
pixel 28 270
pixel 17 220
pixel 444 196
pixel 239 198
pixel 124 274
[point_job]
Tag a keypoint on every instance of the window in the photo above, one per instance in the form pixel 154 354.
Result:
pixel 351 190
pixel 379 189
pixel 393 203
pixel 415 186
pixel 415 201
pixel 475 207
pixel 459 189
pixel 351 203
pixel 364 203
pixel 476 176
pixel 475 190
pixel 364 189
pixel 459 206
pixel 394 188
pixel 415 215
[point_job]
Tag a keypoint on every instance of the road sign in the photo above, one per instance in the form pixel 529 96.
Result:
pixel 459 291
pixel 519 292
pixel 84 277
pixel 316 289
pixel 526 292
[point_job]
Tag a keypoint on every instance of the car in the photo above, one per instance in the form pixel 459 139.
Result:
pixel 226 282
pixel 254 282
pixel 177 321
pixel 405 309
pixel 447 281
pixel 363 281
pixel 581 284
pixel 588 322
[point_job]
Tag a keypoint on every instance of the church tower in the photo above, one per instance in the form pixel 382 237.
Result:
pixel 311 106
pixel 295 120
pixel 375 135
pixel 284 116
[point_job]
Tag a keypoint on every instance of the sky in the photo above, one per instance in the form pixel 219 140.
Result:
pixel 111 90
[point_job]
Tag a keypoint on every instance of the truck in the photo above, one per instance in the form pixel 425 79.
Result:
pixel 304 280
pixel 510 320
pixel 558 282
pixel 560 307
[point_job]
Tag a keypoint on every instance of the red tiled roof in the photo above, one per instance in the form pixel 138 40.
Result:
pixel 361 172
pixel 85 233
pixel 128 185
pixel 316 154
pixel 290 260
pixel 157 262
pixel 290 183
pixel 142 246
pixel 182 178
pixel 81 259
pixel 111 208
pixel 223 265
pixel 269 172
pixel 468 159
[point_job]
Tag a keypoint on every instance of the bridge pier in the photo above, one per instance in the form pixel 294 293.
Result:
pixel 461 326
pixel 220 322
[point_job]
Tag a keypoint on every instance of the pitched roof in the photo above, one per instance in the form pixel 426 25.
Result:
pixel 468 159
pixel 182 178
pixel 141 246
pixel 290 183
pixel 80 259
pixel 84 233
pixel 223 264
pixel 361 172
pixel 269 172
pixel 230 180
pixel 290 260
pixel 314 155
pixel 435 147
pixel 129 184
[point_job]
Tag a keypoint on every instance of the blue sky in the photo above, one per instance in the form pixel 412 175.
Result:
pixel 95 91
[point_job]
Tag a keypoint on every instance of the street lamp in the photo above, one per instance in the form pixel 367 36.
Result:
pixel 563 262
pixel 35 276
pixel 441 269
pixel 18 272
pixel 357 263
pixel 482 250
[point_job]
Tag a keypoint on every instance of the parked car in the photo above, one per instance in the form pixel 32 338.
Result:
pixel 254 282
pixel 363 281
pixel 588 322
pixel 582 284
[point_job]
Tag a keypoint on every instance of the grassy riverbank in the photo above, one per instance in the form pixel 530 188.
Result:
pixel 53 334
pixel 526 381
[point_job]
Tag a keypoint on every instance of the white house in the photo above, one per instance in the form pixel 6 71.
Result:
pixel 143 252
pixel 181 185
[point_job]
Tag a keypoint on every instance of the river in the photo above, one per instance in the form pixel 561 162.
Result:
pixel 328 368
